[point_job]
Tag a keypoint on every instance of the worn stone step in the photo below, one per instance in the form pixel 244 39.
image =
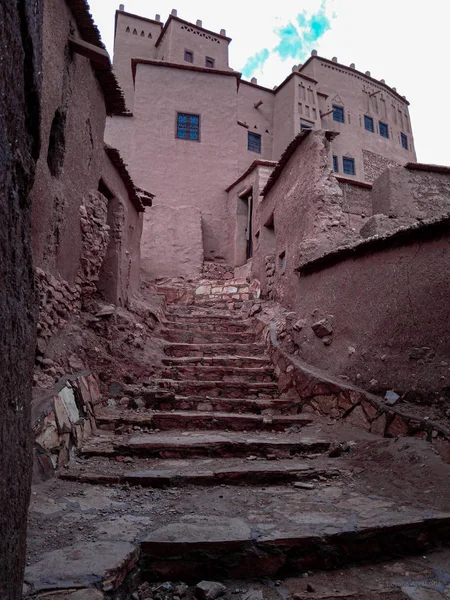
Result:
pixel 206 337
pixel 216 325
pixel 251 362
pixel 190 311
pixel 219 303
pixel 188 420
pixel 302 531
pixel 210 472
pixel 166 401
pixel 219 373
pixel 174 444
pixel 183 349
pixel 232 389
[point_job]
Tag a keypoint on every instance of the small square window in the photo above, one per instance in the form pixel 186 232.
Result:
pixel 305 126
pixel 188 126
pixel 348 166
pixel 338 113
pixel 404 140
pixel 210 62
pixel 189 56
pixel 254 142
pixel 368 123
pixel 384 130
pixel 335 164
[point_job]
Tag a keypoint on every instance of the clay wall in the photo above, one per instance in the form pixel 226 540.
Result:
pixel 71 158
pixel 357 202
pixel 360 95
pixel 300 217
pixel 238 207
pixel 20 102
pixel 284 117
pixel 135 37
pixel 180 36
pixel 259 121
pixel 184 172
pixel 404 194
pixel 172 242
pixel 388 312
pixel 120 275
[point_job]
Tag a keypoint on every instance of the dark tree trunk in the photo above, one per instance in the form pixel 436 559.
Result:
pixel 20 60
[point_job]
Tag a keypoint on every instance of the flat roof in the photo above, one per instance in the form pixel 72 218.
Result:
pixel 173 18
pixel 127 14
pixel 368 77
pixel 429 168
pixel 170 65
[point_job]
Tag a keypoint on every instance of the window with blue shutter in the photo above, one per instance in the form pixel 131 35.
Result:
pixel 384 130
pixel 338 113
pixel 254 142
pixel 404 141
pixel 348 165
pixel 188 126
pixel 368 123
pixel 335 164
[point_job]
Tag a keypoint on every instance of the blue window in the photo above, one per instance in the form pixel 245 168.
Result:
pixel 368 123
pixel 254 142
pixel 338 113
pixel 188 126
pixel 384 130
pixel 335 164
pixel 404 141
pixel 349 165
pixel 189 56
pixel 305 126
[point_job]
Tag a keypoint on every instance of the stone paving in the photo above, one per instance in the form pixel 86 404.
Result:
pixel 203 473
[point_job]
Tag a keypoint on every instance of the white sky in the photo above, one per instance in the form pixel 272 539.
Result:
pixel 405 42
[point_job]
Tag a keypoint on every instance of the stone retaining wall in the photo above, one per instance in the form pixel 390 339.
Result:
pixel 66 419
pixel 313 391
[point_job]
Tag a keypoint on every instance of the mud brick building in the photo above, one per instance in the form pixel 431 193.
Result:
pixel 189 109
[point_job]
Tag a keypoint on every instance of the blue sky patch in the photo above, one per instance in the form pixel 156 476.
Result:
pixel 255 62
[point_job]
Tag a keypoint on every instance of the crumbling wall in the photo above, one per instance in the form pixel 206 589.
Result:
pixel 301 216
pixel 58 300
pixel 20 101
pixel 375 164
pixel 172 243
pixel 357 203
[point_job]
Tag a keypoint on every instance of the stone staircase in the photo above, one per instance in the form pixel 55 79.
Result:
pixel 257 494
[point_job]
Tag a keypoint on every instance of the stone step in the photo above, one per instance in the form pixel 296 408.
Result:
pixel 211 472
pixel 250 362
pixel 165 401
pixel 173 444
pixel 207 337
pixel 190 315
pixel 197 350
pixel 233 389
pixel 301 531
pixel 219 373
pixel 202 325
pixel 218 304
pixel 188 420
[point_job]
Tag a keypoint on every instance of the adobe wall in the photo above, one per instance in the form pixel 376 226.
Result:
pixel 119 278
pixel 404 194
pixel 70 170
pixel 128 45
pixel 301 217
pixel 183 172
pixel 172 242
pixel 255 180
pixel 357 203
pixel 387 307
pixel 284 118
pixel 259 120
pixel 361 95
pixel 180 36
pixel 20 101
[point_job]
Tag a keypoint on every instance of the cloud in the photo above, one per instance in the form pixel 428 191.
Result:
pixel 255 62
